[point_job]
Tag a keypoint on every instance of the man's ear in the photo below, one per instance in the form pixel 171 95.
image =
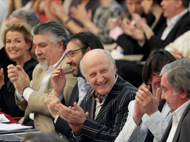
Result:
pixel 183 95
pixel 61 45
pixel 178 3
pixel 88 49
pixel 115 68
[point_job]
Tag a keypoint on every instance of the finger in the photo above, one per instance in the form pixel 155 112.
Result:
pixel 2 71
pixel 158 93
pixel 77 107
pixel 87 114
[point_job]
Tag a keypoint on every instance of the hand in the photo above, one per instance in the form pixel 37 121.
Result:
pixel 138 21
pixel 51 102
pixel 18 77
pixel 113 22
pixel 2 78
pixel 138 113
pixel 177 54
pixel 75 116
pixel 149 103
pixel 58 11
pixel 80 13
pixel 58 80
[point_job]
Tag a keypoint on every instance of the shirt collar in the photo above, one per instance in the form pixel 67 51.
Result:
pixel 176 18
pixel 52 67
pixel 177 114
pixel 116 77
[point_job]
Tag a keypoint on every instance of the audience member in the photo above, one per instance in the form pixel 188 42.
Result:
pixel 18 46
pixel 49 38
pixel 174 23
pixel 127 44
pixel 99 26
pixel 3 11
pixel 27 16
pixel 43 137
pixel 148 117
pixel 67 19
pixel 76 47
pixel 175 89
pixel 180 48
pixel 100 117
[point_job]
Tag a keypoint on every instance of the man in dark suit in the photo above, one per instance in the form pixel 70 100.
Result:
pixel 104 109
pixel 176 91
pixel 76 47
pixel 173 23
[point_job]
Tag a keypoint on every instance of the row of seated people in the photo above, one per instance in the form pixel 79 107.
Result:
pixel 89 120
pixel 20 90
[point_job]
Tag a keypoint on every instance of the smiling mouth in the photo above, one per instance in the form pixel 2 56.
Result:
pixel 102 84
pixel 13 51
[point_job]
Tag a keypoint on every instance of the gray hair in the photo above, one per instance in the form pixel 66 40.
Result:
pixel 107 54
pixel 54 28
pixel 29 16
pixel 178 75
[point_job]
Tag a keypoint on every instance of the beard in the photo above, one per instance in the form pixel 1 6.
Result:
pixel 76 72
pixel 44 64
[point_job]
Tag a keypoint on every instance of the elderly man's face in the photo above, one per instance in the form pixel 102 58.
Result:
pixel 169 94
pixel 169 8
pixel 100 74
pixel 47 52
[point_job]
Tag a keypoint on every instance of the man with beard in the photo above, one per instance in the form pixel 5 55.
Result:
pixel 76 47
pixel 49 38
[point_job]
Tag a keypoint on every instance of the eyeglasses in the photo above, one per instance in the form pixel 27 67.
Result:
pixel 155 74
pixel 72 52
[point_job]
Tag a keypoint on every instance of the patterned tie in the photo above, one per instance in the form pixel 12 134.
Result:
pixel 97 95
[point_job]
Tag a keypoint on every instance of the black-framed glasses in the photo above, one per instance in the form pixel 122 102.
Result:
pixel 72 52
pixel 155 74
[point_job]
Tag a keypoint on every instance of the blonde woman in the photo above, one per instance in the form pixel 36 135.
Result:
pixel 19 48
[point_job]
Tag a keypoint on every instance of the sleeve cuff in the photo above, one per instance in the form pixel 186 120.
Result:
pixel 27 92
pixel 115 33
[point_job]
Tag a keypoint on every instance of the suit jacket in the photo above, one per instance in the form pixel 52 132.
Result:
pixel 61 126
pixel 155 41
pixel 111 117
pixel 182 133
pixel 42 119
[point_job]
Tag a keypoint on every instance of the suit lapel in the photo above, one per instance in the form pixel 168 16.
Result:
pixel 110 98
pixel 167 131
pixel 74 95
pixel 177 133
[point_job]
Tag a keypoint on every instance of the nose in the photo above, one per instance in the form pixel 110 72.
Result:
pixel 163 95
pixel 12 44
pixel 38 51
pixel 100 78
pixel 162 3
pixel 133 7
pixel 68 60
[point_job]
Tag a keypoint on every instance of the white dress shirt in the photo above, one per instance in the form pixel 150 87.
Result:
pixel 171 23
pixel 156 123
pixel 175 120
